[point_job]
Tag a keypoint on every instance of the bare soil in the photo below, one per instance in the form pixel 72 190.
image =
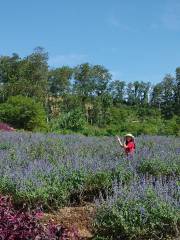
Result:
pixel 78 217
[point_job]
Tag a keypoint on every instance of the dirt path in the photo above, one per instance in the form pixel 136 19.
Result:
pixel 78 217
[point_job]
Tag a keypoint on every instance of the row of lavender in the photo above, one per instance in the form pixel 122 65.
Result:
pixel 78 151
pixel 56 170
pixel 32 161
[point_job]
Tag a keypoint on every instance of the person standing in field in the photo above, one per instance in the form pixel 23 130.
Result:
pixel 128 145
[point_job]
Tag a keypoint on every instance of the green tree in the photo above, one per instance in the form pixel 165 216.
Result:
pixel 177 92
pixel 27 77
pixel 34 75
pixel 9 73
pixel 70 102
pixel 100 77
pixel 130 94
pixel 23 113
pixel 83 85
pixel 117 91
pixel 59 80
pixel 91 80
pixel 168 96
pixel 156 95
pixel 141 92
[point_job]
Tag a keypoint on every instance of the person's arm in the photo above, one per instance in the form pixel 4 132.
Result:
pixel 124 145
pixel 119 140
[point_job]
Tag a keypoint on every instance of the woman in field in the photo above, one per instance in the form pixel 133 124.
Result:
pixel 128 145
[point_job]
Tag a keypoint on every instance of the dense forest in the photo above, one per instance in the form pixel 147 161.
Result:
pixel 84 99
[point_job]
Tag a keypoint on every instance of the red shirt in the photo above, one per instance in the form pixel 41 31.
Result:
pixel 130 147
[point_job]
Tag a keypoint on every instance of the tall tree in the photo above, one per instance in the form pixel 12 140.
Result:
pixel 59 80
pixel 168 85
pixel 83 85
pixel 100 77
pixel 163 96
pixel 34 74
pixel 145 92
pixel 177 92
pixel 117 91
pixel 130 96
pixel 141 92
pixel 9 73
pixel 156 95
pixel 27 77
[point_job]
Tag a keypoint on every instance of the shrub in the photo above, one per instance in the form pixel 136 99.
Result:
pixel 157 167
pixel 148 217
pixel 23 112
pixel 73 120
pixel 121 174
pixel 98 181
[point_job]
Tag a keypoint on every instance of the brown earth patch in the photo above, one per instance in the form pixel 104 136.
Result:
pixel 78 217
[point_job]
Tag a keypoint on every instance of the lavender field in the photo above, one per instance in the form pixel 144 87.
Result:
pixel 61 170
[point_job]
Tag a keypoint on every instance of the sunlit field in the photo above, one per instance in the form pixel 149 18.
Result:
pixel 135 197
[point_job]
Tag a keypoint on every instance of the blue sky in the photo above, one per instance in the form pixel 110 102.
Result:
pixel 134 39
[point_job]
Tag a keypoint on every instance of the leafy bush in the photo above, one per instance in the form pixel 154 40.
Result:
pixel 158 167
pixel 147 217
pixel 50 195
pixel 90 130
pixel 122 174
pixel 7 186
pixel 99 181
pixel 25 225
pixel 23 112
pixel 73 120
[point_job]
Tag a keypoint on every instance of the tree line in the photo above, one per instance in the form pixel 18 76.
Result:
pixel 87 92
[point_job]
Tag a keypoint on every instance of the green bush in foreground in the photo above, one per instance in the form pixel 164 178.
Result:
pixel 148 217
pixel 60 188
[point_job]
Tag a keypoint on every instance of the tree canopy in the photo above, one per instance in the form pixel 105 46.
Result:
pixel 90 90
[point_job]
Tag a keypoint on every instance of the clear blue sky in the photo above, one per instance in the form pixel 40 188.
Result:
pixel 134 39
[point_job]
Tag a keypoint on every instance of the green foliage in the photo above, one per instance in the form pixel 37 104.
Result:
pixel 117 90
pixel 90 130
pixel 23 113
pixel 172 127
pixel 27 77
pixel 119 120
pixel 109 106
pixel 76 180
pixel 90 184
pixel 100 113
pixel 158 167
pixel 51 194
pixel 73 120
pixel 5 146
pixel 122 174
pixel 7 186
pixel 91 80
pixel 144 218
pixel 55 191
pixel 98 181
pixel 59 80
